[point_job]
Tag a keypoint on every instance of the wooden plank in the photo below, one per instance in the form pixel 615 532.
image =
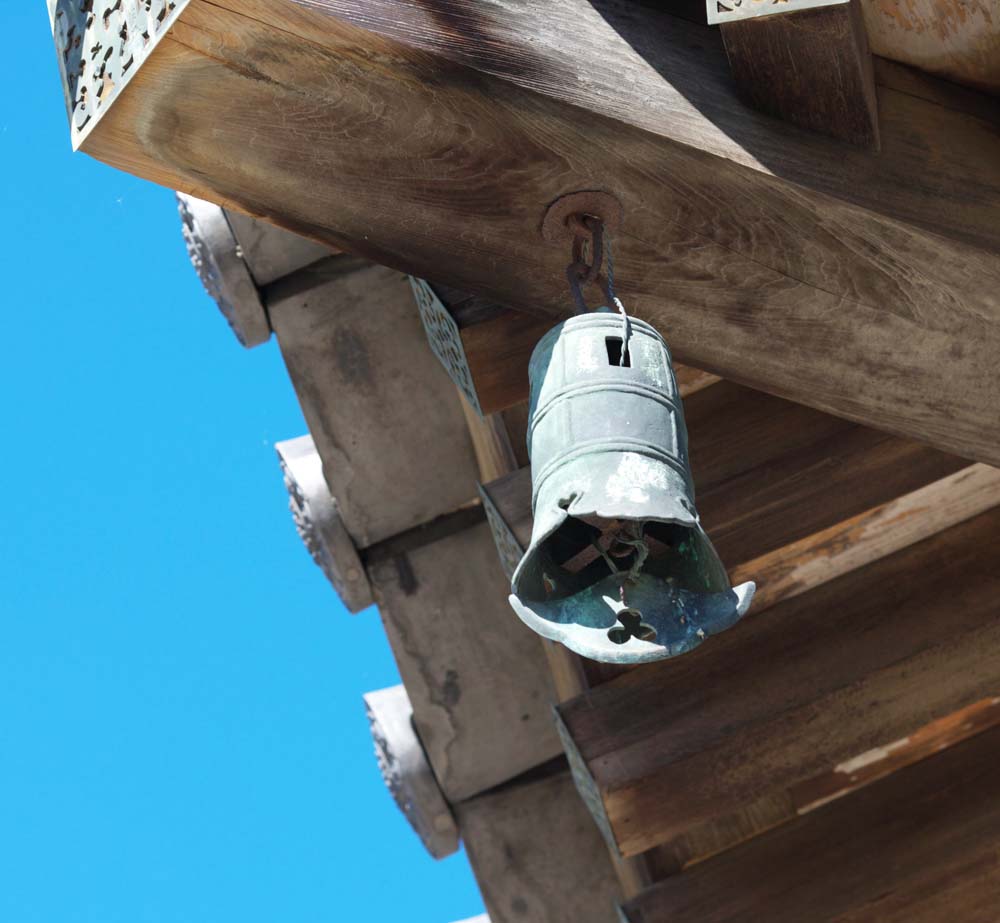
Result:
pixel 477 678
pixel 849 670
pixel 812 68
pixel 537 855
pixel 793 569
pixel 385 418
pixel 919 847
pixel 769 256
pixel 958 41
pixel 770 473
pixel 817 559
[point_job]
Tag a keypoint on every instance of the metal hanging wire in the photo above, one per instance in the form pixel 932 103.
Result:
pixel 590 230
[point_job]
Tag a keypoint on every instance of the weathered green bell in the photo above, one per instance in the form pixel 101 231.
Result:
pixel 619 568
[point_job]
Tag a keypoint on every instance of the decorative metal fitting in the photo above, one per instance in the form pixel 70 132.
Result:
pixel 619 568
pixel 720 11
pixel 407 773
pixel 101 47
pixel 319 525
pixel 218 260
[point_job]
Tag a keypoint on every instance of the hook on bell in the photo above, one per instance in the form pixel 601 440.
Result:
pixel 619 568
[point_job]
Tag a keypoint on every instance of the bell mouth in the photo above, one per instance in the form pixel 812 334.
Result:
pixel 626 591
pixel 582 550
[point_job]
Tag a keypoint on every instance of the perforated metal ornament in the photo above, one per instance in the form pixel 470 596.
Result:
pixel 101 46
pixel 619 568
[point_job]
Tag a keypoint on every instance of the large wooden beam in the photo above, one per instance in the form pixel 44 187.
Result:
pixel 432 139
pixel 476 677
pixel 919 847
pixel 844 676
pixel 384 417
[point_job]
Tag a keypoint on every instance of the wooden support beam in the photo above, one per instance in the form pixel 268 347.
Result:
pixel 842 677
pixel 915 848
pixel 476 677
pixel 811 68
pixel 385 419
pixel 768 255
pixel 536 853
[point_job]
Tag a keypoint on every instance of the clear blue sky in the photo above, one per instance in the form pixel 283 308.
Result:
pixel 182 736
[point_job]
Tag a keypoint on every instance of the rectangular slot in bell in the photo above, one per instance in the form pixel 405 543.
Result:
pixel 614 345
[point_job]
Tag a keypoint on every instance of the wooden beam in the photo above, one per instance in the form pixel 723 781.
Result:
pixel 477 677
pixel 767 255
pixel 811 68
pixel 842 676
pixel 385 419
pixel 536 853
pixel 918 847
pixel 816 559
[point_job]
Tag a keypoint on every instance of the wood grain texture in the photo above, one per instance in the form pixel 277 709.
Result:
pixel 382 412
pixel 476 677
pixel 850 669
pixel 537 855
pixel 766 255
pixel 812 68
pixel 919 847
pixel 793 569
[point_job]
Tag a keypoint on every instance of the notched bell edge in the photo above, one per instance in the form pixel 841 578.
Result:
pixel 618 569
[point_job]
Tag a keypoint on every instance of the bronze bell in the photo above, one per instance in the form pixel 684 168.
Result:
pixel 619 568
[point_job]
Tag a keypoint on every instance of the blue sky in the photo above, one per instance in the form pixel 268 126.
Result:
pixel 182 736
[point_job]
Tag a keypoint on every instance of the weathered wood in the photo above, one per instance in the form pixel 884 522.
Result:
pixel 318 522
pixel 793 569
pixel 957 40
pixel 406 772
pixel 477 677
pixel 767 255
pixel 271 252
pixel 384 416
pixel 769 473
pixel 838 677
pixel 537 855
pixel 919 847
pixel 811 68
